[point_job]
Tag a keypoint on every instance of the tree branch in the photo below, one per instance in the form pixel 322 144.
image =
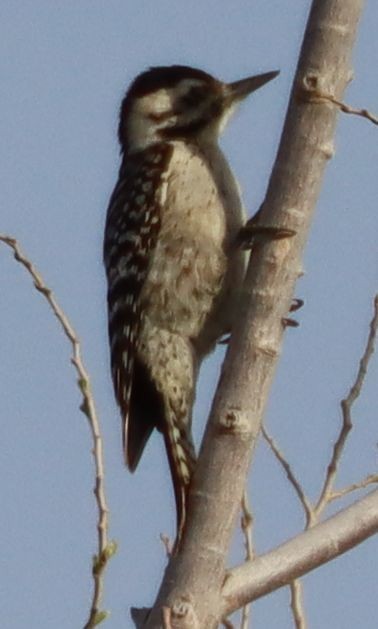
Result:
pixel 194 577
pixel 296 604
pixel 105 549
pixel 317 97
pixel 303 499
pixel 300 555
pixel 326 494
pixel 246 525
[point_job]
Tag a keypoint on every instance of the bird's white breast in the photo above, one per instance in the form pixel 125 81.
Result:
pixel 195 267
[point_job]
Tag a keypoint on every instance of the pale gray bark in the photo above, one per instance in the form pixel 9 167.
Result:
pixel 301 554
pixel 192 585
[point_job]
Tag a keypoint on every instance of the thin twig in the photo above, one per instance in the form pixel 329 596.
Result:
pixel 296 585
pixel 298 556
pixel 327 495
pixel 369 480
pixel 315 95
pixel 246 525
pixel 105 549
pixel 346 407
pixel 167 544
pixel 307 507
pixel 347 109
pixel 296 604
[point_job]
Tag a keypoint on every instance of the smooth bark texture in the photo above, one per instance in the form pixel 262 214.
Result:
pixel 193 581
pixel 301 554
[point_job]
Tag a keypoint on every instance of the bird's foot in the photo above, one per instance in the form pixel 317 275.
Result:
pixel 288 322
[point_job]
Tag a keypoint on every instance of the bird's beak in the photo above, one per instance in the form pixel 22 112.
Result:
pixel 240 89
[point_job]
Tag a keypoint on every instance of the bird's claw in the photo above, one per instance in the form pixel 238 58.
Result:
pixel 297 303
pixel 288 322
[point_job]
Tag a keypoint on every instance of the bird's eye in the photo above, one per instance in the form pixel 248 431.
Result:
pixel 192 97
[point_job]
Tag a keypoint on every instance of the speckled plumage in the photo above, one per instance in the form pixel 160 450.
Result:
pixel 174 270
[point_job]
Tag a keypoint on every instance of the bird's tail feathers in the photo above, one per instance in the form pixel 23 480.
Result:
pixel 182 460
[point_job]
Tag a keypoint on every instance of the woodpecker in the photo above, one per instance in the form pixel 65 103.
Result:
pixel 173 267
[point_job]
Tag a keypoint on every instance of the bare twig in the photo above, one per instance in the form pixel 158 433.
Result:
pixel 307 507
pixel 327 494
pixel 347 109
pixel 296 604
pixel 306 551
pixel 346 407
pixel 369 480
pixel 167 544
pixel 105 549
pixel 313 94
pixel 246 525
pixel 364 363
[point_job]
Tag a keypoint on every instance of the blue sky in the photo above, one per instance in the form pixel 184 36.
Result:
pixel 64 69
